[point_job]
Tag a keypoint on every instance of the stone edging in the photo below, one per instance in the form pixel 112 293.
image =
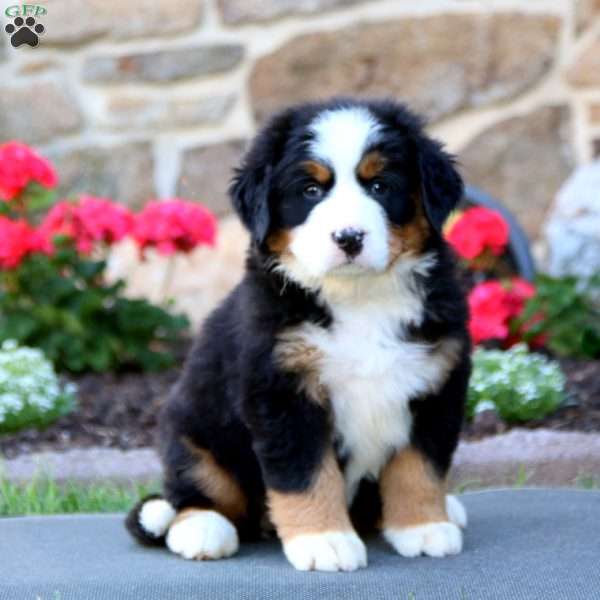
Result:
pixel 519 457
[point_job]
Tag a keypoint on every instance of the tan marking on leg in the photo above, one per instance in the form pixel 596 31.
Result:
pixel 318 171
pixel 411 492
pixel 294 354
pixel 319 509
pixel 371 165
pixel 217 483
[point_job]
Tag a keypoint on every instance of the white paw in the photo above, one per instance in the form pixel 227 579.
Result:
pixel 457 513
pixel 433 539
pixel 202 536
pixel 328 551
pixel 156 516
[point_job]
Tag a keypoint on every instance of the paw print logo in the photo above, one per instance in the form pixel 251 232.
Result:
pixel 24 31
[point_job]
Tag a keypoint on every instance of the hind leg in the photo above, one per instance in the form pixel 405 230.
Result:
pixel 208 501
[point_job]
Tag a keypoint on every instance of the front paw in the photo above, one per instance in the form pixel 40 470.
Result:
pixel 203 535
pixel 327 551
pixel 432 539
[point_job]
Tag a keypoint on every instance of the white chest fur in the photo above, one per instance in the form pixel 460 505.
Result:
pixel 370 375
pixel 371 372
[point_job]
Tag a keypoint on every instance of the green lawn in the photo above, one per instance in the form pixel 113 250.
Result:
pixel 43 496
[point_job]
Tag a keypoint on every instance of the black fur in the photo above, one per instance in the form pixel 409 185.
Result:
pixel 233 400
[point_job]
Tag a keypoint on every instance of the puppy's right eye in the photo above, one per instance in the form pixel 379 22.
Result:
pixel 313 192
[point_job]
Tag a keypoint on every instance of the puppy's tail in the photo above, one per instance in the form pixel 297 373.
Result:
pixel 149 520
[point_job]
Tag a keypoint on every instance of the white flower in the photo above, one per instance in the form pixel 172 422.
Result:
pixel 9 345
pixel 42 402
pixel 29 386
pixel 11 402
pixel 522 385
pixel 484 405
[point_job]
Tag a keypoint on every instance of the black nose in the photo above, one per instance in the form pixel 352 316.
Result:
pixel 350 240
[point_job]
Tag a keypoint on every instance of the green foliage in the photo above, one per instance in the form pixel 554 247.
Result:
pixel 523 476
pixel 587 482
pixel 563 311
pixel 520 385
pixel 31 203
pixel 62 304
pixel 44 496
pixel 30 393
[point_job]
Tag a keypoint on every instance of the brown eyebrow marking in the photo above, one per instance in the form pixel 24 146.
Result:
pixel 371 165
pixel 318 171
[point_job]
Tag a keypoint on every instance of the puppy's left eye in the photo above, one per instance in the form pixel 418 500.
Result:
pixel 378 188
pixel 313 191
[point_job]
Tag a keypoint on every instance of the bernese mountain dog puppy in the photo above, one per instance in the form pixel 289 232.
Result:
pixel 324 396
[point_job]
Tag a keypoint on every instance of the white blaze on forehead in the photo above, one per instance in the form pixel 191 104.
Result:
pixel 342 135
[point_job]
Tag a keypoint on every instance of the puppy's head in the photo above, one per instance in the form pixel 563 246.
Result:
pixel 344 188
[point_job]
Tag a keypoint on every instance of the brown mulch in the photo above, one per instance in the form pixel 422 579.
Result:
pixel 120 411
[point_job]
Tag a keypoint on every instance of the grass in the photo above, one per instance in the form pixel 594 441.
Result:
pixel 588 482
pixel 522 477
pixel 44 496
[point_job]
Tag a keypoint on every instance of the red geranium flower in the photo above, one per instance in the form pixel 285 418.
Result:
pixel 174 225
pixel 90 221
pixel 489 312
pixel 17 240
pixel 101 220
pixel 517 294
pixel 59 220
pixel 493 306
pixel 478 229
pixel 19 166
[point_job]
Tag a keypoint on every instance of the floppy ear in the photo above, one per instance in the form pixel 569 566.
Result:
pixel 441 185
pixel 250 197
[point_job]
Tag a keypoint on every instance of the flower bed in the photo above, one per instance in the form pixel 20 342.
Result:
pixel 54 293
pixel 131 422
pixel 553 316
pixel 556 314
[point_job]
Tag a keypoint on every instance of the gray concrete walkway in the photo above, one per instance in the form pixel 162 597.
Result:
pixel 519 545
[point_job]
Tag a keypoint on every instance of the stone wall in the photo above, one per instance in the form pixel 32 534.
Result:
pixel 158 97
